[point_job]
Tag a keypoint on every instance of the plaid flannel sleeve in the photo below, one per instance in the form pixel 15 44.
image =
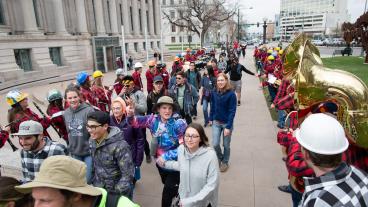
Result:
pixel 281 92
pixel 295 162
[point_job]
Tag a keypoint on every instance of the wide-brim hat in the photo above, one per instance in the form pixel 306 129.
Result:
pixel 7 190
pixel 61 172
pixel 165 100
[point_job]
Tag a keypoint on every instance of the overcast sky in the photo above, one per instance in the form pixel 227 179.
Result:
pixel 269 8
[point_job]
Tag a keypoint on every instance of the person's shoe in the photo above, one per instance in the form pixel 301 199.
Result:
pixel 284 159
pixel 224 167
pixel 238 103
pixel 148 159
pixel 284 188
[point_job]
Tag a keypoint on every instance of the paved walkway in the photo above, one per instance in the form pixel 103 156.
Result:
pixel 255 169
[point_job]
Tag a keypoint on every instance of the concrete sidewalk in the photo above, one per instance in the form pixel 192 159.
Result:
pixel 255 169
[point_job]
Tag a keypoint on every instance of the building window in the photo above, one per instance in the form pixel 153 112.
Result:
pixel 144 45
pixel 189 38
pixel 126 48
pixel 23 59
pixel 181 29
pixel 180 39
pixel 172 2
pixel 108 14
pixel 158 44
pixel 172 39
pixel 151 45
pixel 140 20
pixel 2 16
pixel 172 14
pixel 181 13
pixel 136 46
pixel 180 1
pixel 147 22
pixel 173 28
pixel 131 17
pixel 163 2
pixel 55 55
pixel 35 7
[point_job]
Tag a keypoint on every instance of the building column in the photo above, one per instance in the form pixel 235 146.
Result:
pixel 135 18
pixel 126 18
pixel 82 18
pixel 114 18
pixel 151 19
pixel 144 24
pixel 60 28
pixel 29 17
pixel 158 17
pixel 100 25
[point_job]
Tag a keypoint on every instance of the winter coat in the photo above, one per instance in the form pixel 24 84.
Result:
pixel 197 82
pixel 75 122
pixel 166 137
pixel 190 97
pixel 152 99
pixel 208 84
pixel 112 163
pixel 199 176
pixel 134 137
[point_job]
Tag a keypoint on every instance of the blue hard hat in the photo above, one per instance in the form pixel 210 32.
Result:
pixel 179 55
pixel 82 77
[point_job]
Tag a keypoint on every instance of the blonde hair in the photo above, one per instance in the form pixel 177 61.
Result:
pixel 228 85
pixel 121 102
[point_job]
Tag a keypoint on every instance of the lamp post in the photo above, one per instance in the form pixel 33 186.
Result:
pixel 239 21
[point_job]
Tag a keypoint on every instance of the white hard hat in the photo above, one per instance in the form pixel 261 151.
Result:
pixel 138 65
pixel 119 71
pixel 322 134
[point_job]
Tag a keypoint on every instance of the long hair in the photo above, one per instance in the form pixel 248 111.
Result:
pixel 228 86
pixel 58 103
pixel 98 82
pixel 201 132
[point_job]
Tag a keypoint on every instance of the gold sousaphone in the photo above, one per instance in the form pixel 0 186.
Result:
pixel 315 83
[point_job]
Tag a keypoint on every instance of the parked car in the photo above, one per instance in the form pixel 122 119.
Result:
pixel 317 42
pixel 337 41
pixel 347 51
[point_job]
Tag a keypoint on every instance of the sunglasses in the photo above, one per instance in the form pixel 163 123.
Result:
pixel 126 85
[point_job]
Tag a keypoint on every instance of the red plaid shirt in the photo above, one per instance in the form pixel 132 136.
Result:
pixel 4 135
pixel 149 77
pixel 284 98
pixel 29 115
pixel 88 96
pixel 102 98
pixel 118 87
pixel 58 122
pixel 358 157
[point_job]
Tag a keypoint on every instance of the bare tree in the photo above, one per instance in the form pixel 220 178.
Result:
pixel 199 16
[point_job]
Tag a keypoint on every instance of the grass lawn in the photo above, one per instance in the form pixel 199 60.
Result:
pixel 351 64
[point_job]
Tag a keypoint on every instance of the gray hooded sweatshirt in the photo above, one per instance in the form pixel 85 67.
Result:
pixel 199 176
pixel 75 122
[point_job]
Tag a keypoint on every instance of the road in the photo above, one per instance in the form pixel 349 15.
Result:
pixel 256 168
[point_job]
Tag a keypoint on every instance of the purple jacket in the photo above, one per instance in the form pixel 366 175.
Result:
pixel 133 136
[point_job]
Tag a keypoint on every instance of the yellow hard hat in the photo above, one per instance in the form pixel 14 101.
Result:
pixel 281 52
pixel 151 63
pixel 269 51
pixel 97 74
pixel 277 48
pixel 271 57
pixel 15 96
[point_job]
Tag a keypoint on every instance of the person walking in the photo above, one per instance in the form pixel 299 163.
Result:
pixel 167 134
pixel 101 94
pixel 83 80
pixel 113 167
pixel 235 69
pixel 158 91
pixel 186 95
pixel 134 137
pixel 198 167
pixel 223 109
pixel 118 83
pixel 75 118
pixel 336 183
pixel 35 148
pixel 193 77
pixel 208 83
pixel 150 74
pixel 137 76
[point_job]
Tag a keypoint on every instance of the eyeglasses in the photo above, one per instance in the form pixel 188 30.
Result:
pixel 178 78
pixel 92 127
pixel 126 85
pixel 191 136
pixel 116 108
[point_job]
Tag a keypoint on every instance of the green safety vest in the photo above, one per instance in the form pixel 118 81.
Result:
pixel 123 201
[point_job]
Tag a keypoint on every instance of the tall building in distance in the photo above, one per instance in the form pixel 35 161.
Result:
pixel 316 17
pixel 43 39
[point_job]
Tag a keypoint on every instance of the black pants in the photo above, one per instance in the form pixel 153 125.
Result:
pixel 171 180
pixel 146 145
pixel 187 117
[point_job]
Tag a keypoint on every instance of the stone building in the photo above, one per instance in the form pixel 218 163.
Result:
pixel 42 39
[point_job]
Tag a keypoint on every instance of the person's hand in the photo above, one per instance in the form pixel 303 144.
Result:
pixel 160 161
pixel 227 132
pixel 272 106
pixel 7 129
pixel 210 123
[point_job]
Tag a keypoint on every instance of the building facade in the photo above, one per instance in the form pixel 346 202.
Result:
pixel 174 35
pixel 316 17
pixel 40 39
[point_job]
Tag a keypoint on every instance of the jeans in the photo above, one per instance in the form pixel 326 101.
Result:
pixel 281 118
pixel 171 180
pixel 185 116
pixel 88 161
pixel 205 104
pixel 194 110
pixel 217 131
pixel 273 91
pixel 295 196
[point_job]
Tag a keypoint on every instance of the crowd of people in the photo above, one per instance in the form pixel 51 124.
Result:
pixel 104 128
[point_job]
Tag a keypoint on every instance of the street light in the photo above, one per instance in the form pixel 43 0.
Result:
pixel 239 20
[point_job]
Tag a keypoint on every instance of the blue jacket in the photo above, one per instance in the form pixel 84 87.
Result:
pixel 223 107
pixel 190 97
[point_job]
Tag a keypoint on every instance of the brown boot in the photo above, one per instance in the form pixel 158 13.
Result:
pixel 224 167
